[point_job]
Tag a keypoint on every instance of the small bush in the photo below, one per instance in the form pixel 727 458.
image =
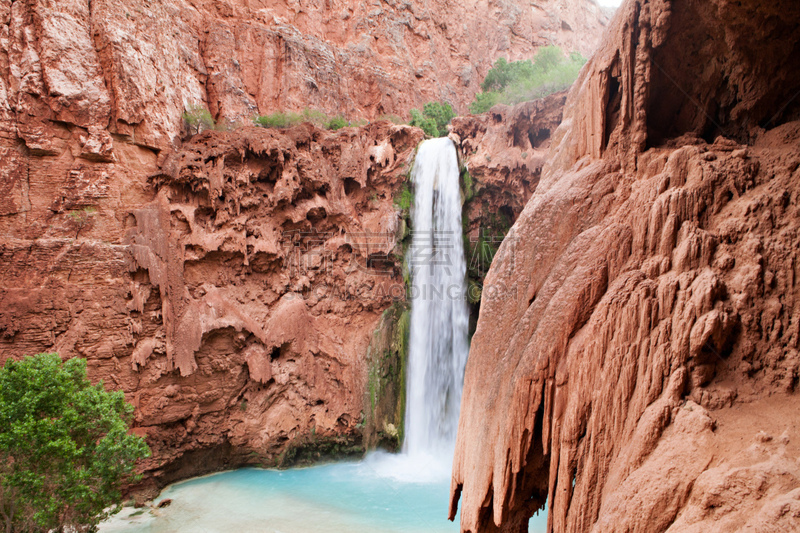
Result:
pixel 428 125
pixel 519 81
pixel 441 113
pixel 280 119
pixel 434 118
pixel 484 102
pixel 81 218
pixel 318 118
pixel 336 123
pixel 277 120
pixel 198 119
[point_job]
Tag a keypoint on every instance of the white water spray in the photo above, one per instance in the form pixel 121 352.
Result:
pixel 438 345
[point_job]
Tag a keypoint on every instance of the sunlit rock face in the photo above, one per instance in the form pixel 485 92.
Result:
pixel 637 365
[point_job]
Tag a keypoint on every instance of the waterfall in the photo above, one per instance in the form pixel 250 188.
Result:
pixel 438 345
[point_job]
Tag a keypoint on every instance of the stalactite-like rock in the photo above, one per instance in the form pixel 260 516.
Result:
pixel 636 358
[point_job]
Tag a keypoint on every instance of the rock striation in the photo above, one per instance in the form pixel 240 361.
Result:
pixel 130 68
pixel 635 363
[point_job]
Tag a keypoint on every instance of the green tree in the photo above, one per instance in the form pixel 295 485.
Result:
pixel 440 112
pixel 518 81
pixel 65 449
pixel 198 119
pixel 484 102
pixel 427 124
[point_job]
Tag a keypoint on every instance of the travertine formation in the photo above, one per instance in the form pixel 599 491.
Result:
pixel 636 360
pixel 226 282
pixel 236 309
pixel 504 152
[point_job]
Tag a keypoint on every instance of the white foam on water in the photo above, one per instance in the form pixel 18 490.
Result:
pixel 384 493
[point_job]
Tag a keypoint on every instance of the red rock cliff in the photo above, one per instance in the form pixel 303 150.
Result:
pixel 193 275
pixel 131 67
pixel 235 303
pixel 636 361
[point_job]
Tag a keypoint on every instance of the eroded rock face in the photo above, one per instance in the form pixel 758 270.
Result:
pixel 234 306
pixel 638 361
pixel 504 152
pixel 225 284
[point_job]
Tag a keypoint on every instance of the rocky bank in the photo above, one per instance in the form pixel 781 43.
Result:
pixel 635 363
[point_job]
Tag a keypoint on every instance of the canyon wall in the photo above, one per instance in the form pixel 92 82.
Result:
pixel 504 152
pixel 243 287
pixel 130 68
pixel 635 363
pixel 500 168
pixel 233 301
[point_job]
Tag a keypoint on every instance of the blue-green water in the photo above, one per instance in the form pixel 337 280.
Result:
pixel 375 495
pixel 384 493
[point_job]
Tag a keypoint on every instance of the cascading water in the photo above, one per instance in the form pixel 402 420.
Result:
pixel 438 344
pixel 358 497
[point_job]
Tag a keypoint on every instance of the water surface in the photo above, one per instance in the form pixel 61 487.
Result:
pixel 382 494
pixel 342 497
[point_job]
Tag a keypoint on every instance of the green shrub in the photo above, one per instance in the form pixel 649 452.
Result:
pixel 318 118
pixel 65 449
pixel 519 81
pixel 81 218
pixel 434 118
pixel 427 124
pixel 336 123
pixel 198 119
pixel 280 119
pixel 484 102
pixel 441 113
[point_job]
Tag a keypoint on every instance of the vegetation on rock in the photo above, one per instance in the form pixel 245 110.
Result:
pixel 280 119
pixel 198 119
pixel 434 118
pixel 387 358
pixel 65 449
pixel 479 253
pixel 519 81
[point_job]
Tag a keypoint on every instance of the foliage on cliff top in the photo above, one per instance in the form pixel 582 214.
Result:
pixel 65 449
pixel 519 81
pixel 318 118
pixel 434 118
